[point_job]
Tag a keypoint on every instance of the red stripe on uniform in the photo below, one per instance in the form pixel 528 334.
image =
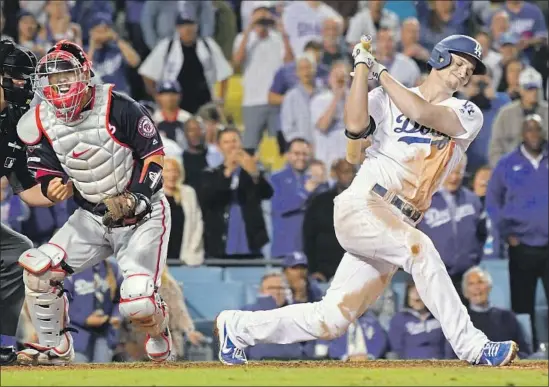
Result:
pixel 161 240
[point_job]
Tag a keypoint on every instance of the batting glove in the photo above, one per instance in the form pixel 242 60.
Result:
pixel 362 55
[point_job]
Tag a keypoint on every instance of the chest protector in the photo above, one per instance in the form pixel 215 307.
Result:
pixel 98 164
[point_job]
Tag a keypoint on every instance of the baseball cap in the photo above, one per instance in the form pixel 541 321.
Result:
pixel 508 38
pixel 100 18
pixel 168 87
pixel 529 78
pixel 185 17
pixel 295 259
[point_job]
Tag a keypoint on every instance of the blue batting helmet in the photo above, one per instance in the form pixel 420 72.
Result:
pixel 458 44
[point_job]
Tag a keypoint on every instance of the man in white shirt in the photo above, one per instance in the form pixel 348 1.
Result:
pixel 327 116
pixel 402 68
pixel 303 22
pixel 375 218
pixel 258 52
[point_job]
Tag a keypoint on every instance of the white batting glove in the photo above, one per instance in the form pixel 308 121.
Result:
pixel 362 55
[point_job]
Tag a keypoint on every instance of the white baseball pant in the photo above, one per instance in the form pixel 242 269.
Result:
pixel 378 239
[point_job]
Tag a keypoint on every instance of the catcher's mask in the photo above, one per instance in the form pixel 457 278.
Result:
pixel 62 79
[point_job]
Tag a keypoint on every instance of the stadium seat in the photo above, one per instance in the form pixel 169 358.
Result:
pixel 196 274
pixel 492 265
pixel 252 291
pixel 400 289
pixel 248 274
pixel 526 326
pixel 206 299
pixel 540 295
pixel 498 269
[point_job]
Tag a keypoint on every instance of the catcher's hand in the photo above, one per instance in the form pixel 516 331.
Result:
pixel 125 209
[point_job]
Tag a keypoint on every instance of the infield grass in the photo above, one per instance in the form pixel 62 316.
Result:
pixel 280 374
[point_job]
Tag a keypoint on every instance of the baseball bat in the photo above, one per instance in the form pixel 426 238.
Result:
pixel 354 147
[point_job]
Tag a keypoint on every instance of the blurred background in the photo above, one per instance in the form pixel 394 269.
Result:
pixel 259 87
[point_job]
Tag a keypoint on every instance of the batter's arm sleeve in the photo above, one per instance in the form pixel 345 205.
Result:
pixel 134 127
pixel 286 201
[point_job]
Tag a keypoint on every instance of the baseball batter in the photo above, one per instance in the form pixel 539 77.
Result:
pixel 102 146
pixel 418 135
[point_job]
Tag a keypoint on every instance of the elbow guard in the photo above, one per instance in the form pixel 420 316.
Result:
pixel 151 176
pixel 370 129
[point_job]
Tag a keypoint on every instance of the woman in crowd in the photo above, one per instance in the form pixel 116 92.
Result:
pixel 186 242
pixel 414 332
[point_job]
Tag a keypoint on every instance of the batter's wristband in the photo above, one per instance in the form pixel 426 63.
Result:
pixel 365 133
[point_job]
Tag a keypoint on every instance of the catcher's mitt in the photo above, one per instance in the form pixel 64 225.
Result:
pixel 125 209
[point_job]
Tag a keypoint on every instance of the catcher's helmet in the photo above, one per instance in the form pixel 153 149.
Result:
pixel 462 44
pixel 17 65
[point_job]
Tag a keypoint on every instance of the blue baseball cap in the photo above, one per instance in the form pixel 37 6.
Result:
pixel 168 87
pixel 100 18
pixel 508 38
pixel 297 258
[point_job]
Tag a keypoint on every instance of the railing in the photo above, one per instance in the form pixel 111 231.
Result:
pixel 224 262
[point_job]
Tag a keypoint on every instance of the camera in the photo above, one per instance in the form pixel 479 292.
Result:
pixel 265 22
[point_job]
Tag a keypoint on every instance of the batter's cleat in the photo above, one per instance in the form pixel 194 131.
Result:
pixel 159 348
pixel 7 356
pixel 498 353
pixel 229 354
pixel 36 354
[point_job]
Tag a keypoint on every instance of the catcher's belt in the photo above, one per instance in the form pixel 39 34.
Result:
pixel 124 209
pixel 410 211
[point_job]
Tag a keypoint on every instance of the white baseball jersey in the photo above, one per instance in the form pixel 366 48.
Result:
pixel 303 23
pixel 409 158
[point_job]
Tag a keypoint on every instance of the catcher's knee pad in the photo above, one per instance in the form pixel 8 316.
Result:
pixel 45 267
pixel 142 305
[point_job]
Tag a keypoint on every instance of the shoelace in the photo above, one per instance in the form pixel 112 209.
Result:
pixel 491 349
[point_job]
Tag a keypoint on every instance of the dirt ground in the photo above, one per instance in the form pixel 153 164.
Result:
pixel 532 365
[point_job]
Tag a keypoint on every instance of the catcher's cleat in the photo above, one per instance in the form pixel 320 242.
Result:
pixel 7 356
pixel 498 353
pixel 229 354
pixel 159 348
pixel 36 354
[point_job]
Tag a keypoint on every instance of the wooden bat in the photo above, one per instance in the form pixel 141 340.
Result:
pixel 354 147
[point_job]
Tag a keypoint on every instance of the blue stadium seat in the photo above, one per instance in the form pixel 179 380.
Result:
pixel 206 299
pixel 542 323
pixel 196 274
pixel 399 288
pixel 540 295
pixel 252 290
pixel 492 265
pixel 248 274
pixel 526 326
pixel 500 295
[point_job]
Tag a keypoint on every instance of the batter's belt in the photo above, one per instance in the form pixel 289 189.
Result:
pixel 403 206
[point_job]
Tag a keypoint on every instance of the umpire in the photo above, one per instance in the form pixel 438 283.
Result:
pixel 17 65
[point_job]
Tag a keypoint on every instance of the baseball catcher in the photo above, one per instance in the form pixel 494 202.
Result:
pixel 104 146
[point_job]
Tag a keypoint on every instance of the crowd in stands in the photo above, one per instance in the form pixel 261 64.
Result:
pixel 248 97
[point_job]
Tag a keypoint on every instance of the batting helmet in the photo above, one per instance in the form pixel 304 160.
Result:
pixel 459 44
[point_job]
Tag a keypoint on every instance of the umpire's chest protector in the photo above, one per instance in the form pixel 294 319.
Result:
pixel 98 164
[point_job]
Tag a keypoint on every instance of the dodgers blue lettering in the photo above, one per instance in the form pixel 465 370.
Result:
pixel 441 139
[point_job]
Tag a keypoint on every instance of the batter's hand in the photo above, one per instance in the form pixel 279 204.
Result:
pixel 362 54
pixel 57 191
